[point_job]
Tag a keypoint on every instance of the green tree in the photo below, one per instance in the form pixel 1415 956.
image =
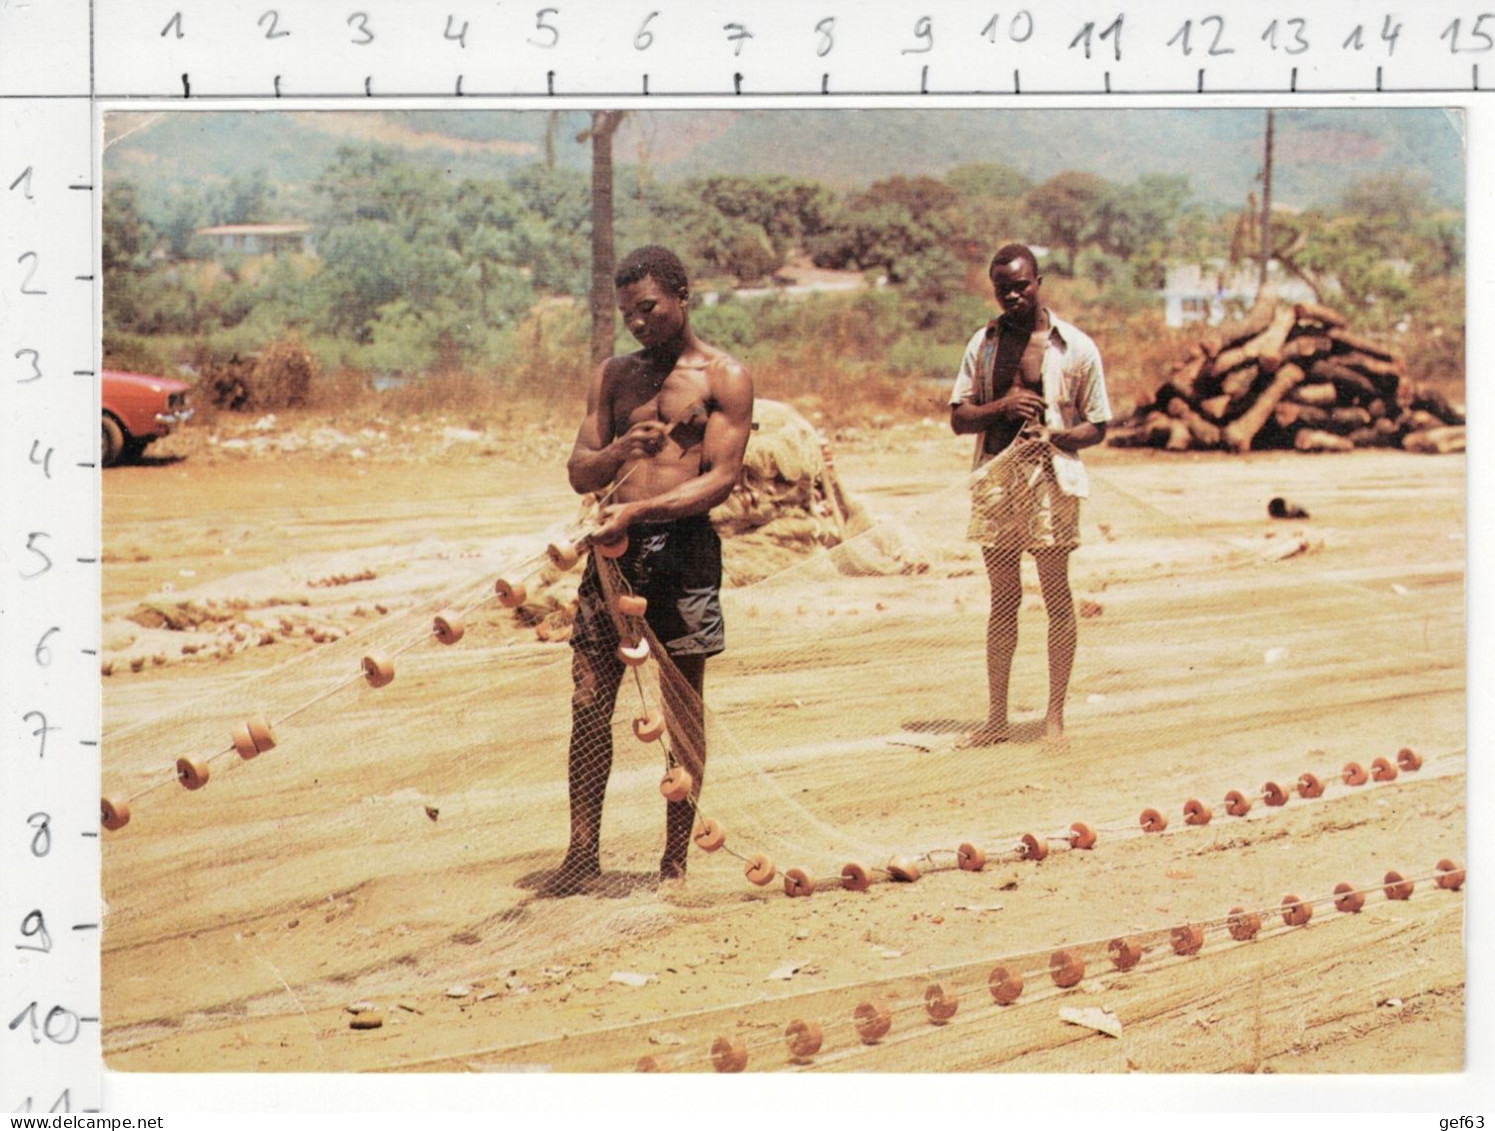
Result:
pixel 1066 206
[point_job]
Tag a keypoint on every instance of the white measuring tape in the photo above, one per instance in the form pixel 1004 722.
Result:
pixel 63 63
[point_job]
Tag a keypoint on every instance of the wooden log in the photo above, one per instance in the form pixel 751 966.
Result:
pixel 1239 434
pixel 1318 312
pixel 1265 348
pixel 1371 438
pixel 1354 387
pixel 1127 436
pixel 1428 399
pixel 1201 431
pixel 1307 347
pixel 1372 367
pixel 1310 416
pixel 1363 345
pixel 1312 440
pixel 1185 376
pixel 1179 438
pixel 1322 394
pixel 1257 319
pixel 1215 408
pixel 1349 418
pixel 1436 441
pixel 1238 383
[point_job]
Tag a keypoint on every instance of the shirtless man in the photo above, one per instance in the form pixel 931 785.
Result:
pixel 668 425
pixel 1032 383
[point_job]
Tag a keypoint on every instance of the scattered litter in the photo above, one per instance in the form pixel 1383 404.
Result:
pixel 978 907
pixel 408 1008
pixel 888 952
pixel 666 1039
pixel 1275 654
pixel 1391 1002
pixel 371 1020
pixel 785 972
pixel 802 933
pixel 458 991
pixel 627 978
pixel 361 1006
pixel 432 812
pixel 1399 590
pixel 1092 1017
pixel 1095 697
pixel 1287 548
pixel 1179 874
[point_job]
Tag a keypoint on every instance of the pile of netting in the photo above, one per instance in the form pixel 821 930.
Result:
pixel 366 797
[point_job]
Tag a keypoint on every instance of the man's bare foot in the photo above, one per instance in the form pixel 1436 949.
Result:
pixel 576 874
pixel 1053 728
pixel 992 734
pixel 671 871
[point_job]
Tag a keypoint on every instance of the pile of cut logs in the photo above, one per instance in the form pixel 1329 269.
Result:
pixel 1291 376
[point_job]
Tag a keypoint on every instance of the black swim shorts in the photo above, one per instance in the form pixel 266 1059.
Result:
pixel 675 566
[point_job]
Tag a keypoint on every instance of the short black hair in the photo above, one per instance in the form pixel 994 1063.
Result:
pixel 1007 253
pixel 655 262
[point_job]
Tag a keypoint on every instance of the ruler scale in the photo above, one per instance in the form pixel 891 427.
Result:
pixel 62 64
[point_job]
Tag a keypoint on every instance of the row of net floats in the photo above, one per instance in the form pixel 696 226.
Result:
pixel 872 1019
pixel 257 734
pixel 856 876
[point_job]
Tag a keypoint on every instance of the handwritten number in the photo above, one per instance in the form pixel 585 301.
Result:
pixel 43 653
pixel 826 28
pixel 541 25
pixel 1298 44
pixel 23 179
pixel 36 369
pixel 1451 33
pixel 45 463
pixel 35 927
pixel 36 259
pixel 643 39
pixel 40 732
pixel 923 29
pixel 737 34
pixel 273 31
pixel 41 839
pixel 32 546
pixel 175 21
pixel 60 1026
pixel 1112 32
pixel 1027 18
pixel 460 37
pixel 1389 33
pixel 359 22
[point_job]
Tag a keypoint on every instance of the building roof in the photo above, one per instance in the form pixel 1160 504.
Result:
pixel 255 230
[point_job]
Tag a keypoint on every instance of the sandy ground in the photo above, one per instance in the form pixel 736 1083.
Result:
pixel 1374 992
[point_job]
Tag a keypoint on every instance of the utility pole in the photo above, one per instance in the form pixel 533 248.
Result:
pixel 1266 204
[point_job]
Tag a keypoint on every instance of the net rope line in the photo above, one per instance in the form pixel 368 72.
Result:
pixel 1030 462
pixel 1166 958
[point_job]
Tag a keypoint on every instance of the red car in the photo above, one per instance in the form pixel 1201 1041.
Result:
pixel 138 409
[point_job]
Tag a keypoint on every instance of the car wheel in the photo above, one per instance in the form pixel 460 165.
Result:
pixel 134 448
pixel 112 444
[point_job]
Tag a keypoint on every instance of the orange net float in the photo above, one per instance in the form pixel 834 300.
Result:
pixel 1295 912
pixel 1347 899
pixel 804 1038
pixel 1237 804
pixel 798 883
pixel 1187 939
pixel 648 727
pixel 855 877
pixel 759 870
pixel 1125 953
pixel 1450 875
pixel 191 773
pixel 1196 812
pixel 1382 770
pixel 873 1020
pixel 614 549
pixel 1081 835
pixel 1153 821
pixel 1354 774
pixel 1397 887
pixel 253 738
pixel 447 627
pixel 970 858
pixel 676 784
pixel 1031 848
pixel 563 554
pixel 1310 786
pixel 631 605
pixel 1273 794
pixel 510 591
pixel 708 835
pixel 940 1004
pixel 1066 968
pixel 654 1064
pixel 1243 924
pixel 729 1054
pixel 1005 984
pixel 903 870
pixel 633 655
pixel 378 669
pixel 114 813
pixel 1408 759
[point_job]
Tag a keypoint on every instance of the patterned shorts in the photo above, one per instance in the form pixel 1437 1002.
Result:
pixel 1017 504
